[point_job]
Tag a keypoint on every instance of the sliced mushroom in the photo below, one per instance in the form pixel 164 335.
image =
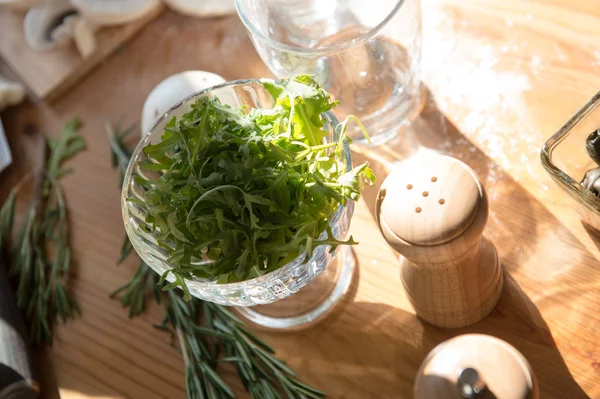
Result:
pixel 56 23
pixel 11 93
pixel 49 25
pixel 202 8
pixel 83 35
pixel 172 90
pixel 115 12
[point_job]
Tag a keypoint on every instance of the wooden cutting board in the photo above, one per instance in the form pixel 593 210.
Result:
pixel 49 74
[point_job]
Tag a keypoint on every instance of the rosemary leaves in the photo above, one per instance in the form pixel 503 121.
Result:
pixel 40 258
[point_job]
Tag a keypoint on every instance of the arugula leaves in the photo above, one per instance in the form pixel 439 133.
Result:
pixel 206 331
pixel 248 191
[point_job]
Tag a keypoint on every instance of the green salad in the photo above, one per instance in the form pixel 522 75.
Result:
pixel 249 191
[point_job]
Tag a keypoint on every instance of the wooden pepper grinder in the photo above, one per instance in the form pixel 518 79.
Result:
pixel 432 210
pixel 475 367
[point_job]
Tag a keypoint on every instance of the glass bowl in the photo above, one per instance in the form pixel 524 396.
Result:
pixel 327 288
pixel 566 160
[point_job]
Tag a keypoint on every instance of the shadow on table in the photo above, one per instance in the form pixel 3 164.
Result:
pixel 381 358
pixel 593 233
pixel 432 132
pixel 528 237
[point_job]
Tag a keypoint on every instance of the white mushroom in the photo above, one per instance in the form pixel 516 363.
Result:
pixel 202 8
pixel 49 25
pixel 172 90
pixel 115 12
pixel 11 93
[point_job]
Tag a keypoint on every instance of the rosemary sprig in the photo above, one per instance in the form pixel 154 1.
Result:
pixel 41 257
pixel 199 351
pixel 262 374
pixel 134 294
pixel 203 330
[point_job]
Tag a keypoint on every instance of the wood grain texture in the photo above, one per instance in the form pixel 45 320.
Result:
pixel 457 293
pixel 502 75
pixel 48 74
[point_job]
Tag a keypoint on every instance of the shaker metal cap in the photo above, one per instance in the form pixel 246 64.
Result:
pixel 475 366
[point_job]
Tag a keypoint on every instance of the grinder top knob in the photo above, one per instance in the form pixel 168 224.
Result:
pixel 432 209
pixel 475 366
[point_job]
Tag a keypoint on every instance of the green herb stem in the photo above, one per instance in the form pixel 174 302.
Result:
pixel 41 257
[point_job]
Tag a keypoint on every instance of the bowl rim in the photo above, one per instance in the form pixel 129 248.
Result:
pixel 199 283
pixel 573 187
pixel 255 32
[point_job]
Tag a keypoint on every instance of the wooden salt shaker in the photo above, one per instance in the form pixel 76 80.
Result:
pixel 475 367
pixel 432 210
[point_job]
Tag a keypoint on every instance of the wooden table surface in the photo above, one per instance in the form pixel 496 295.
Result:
pixel 503 75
